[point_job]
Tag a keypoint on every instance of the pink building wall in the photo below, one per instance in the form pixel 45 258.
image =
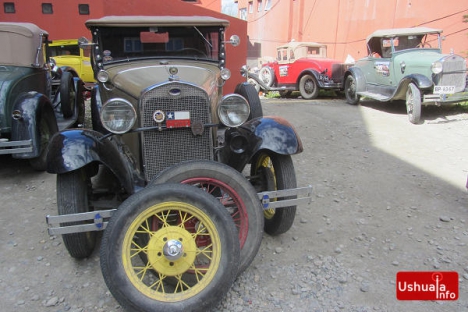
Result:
pixel 344 24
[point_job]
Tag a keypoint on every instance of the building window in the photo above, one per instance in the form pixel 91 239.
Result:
pixel 259 5
pixel 47 8
pixel 83 9
pixel 9 7
pixel 243 14
pixel 250 6
pixel 267 5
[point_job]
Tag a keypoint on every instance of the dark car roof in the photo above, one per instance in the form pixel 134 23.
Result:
pixel 393 32
pixel 140 21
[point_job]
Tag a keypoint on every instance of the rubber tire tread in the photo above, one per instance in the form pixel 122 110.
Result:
pixel 304 94
pixel 251 95
pixel 72 197
pixel 285 175
pixel 66 83
pixel 111 249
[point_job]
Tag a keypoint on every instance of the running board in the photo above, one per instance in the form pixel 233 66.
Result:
pixel 98 220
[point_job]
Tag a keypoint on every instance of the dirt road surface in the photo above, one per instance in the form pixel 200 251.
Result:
pixel 388 196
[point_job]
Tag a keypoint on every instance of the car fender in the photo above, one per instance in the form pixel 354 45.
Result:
pixel 309 71
pixel 421 81
pixel 28 111
pixel 271 133
pixel 359 77
pixel 73 149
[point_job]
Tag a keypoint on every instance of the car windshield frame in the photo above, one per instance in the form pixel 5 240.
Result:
pixel 122 44
pixel 382 44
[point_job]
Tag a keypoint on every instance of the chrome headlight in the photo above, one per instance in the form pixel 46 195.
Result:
pixel 102 76
pixel 233 110
pixel 225 73
pixel 118 116
pixel 437 67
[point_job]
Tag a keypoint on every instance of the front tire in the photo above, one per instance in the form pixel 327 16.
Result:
pixel 413 103
pixel 308 87
pixel 249 92
pixel 269 172
pixel 67 94
pixel 73 197
pixel 190 233
pixel 350 91
pixel 267 75
pixel 234 191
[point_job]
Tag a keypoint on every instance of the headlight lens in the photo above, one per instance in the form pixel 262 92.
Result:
pixel 118 116
pixel 233 110
pixel 437 67
pixel 102 76
pixel 225 74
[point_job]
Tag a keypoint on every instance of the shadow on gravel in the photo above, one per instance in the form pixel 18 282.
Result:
pixel 378 208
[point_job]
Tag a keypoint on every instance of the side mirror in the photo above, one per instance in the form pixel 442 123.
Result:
pixel 234 40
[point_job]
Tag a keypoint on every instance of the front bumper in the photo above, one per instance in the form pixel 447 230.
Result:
pixel 445 98
pixel 98 220
pixel 15 147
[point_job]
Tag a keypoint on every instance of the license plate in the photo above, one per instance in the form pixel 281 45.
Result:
pixel 444 89
pixel 178 119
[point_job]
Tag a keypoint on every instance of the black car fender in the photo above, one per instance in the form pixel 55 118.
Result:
pixel 421 81
pixel 359 78
pixel 271 133
pixel 310 71
pixel 73 149
pixel 28 111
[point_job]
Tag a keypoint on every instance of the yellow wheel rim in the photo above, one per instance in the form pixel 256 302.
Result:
pixel 265 161
pixel 171 251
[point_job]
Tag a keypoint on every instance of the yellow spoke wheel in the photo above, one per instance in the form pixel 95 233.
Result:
pixel 170 247
pixel 269 172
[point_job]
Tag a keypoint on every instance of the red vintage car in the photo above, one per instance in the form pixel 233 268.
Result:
pixel 301 66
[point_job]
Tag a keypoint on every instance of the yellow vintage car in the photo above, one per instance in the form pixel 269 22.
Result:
pixel 67 53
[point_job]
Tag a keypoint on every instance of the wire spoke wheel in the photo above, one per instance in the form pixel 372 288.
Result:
pixel 232 190
pixel 190 250
pixel 270 172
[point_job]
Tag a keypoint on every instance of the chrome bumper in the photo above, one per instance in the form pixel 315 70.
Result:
pixel 15 147
pixel 445 98
pixel 98 220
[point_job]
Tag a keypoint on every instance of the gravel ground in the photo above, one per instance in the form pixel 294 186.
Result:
pixel 388 196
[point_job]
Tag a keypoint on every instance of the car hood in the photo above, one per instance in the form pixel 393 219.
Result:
pixel 134 77
pixel 418 57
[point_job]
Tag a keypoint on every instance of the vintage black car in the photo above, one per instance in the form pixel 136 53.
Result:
pixel 159 117
pixel 37 99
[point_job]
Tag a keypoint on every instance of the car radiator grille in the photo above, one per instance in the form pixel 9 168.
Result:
pixel 161 149
pixel 453 73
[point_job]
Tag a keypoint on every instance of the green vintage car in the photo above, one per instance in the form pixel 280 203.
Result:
pixel 66 53
pixel 408 64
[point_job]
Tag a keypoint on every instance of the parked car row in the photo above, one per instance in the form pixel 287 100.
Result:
pixel 402 64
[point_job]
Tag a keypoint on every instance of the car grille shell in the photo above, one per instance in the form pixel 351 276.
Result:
pixel 454 73
pixel 161 149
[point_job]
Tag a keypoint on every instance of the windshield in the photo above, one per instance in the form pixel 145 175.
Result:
pixel 64 50
pixel 119 43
